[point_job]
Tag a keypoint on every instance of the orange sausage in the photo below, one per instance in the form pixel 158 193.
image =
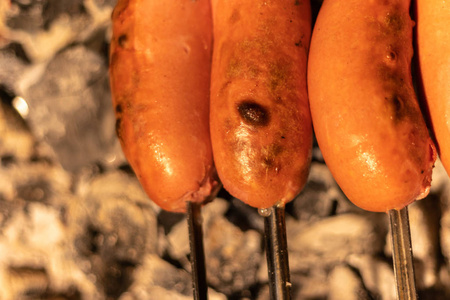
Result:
pixel 365 113
pixel 260 121
pixel 160 78
pixel 433 53
pixel 4 7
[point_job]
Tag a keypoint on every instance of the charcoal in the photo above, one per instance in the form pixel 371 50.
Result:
pixel 377 275
pixel 327 242
pixel 233 256
pixel 17 143
pixel 320 185
pixel 311 285
pixel 424 218
pixel 55 8
pixel 28 15
pixel 345 283
pixel 36 259
pixel 445 235
pixel 27 283
pixel 12 68
pixel 121 228
pixel 38 181
pixel 105 3
pixel 70 109
pixel 178 237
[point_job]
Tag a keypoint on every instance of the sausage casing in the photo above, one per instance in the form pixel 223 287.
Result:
pixel 260 121
pixel 160 65
pixel 365 112
pixel 433 56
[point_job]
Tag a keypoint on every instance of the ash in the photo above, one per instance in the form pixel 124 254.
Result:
pixel 75 223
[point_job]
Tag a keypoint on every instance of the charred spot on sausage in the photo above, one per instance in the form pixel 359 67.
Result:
pixel 397 105
pixel 270 155
pixel 253 113
pixel 268 162
pixel 119 108
pixel 122 39
pixel 392 55
pixel 119 128
pixel 394 22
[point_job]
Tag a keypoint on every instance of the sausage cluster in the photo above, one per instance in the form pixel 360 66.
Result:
pixel 232 89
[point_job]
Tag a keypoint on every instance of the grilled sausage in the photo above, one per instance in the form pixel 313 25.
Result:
pixel 364 109
pixel 260 121
pixel 160 78
pixel 433 53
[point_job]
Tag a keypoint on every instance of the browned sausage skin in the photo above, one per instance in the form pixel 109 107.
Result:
pixel 260 120
pixel 365 112
pixel 160 78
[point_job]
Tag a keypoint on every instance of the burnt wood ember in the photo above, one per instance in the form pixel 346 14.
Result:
pixel 75 223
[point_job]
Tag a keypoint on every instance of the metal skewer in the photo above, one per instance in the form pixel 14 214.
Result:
pixel 276 252
pixel 402 254
pixel 197 257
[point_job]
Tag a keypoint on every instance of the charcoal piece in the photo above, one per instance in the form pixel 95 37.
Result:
pixel 36 260
pixel 332 240
pixel 32 16
pixel 157 272
pixel 35 191
pixel 13 65
pixel 28 15
pixel 157 279
pixel 115 228
pixel 38 181
pixel 28 282
pixel 121 228
pixel 232 256
pixel 424 218
pixel 54 8
pixel 321 197
pixel 444 235
pixel 70 109
pixel 105 3
pixel 178 238
pixel 345 283
pixel 16 140
pixel 377 275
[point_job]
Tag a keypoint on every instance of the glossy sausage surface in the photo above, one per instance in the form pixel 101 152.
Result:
pixel 364 109
pixel 433 53
pixel 260 120
pixel 160 78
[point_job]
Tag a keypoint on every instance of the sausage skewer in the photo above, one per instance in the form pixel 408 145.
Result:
pixel 160 67
pixel 402 254
pixel 260 121
pixel 277 252
pixel 366 116
pixel 197 258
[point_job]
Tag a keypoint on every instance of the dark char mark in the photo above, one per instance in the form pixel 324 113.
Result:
pixel 122 40
pixel 119 128
pixel 253 114
pixel 397 106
